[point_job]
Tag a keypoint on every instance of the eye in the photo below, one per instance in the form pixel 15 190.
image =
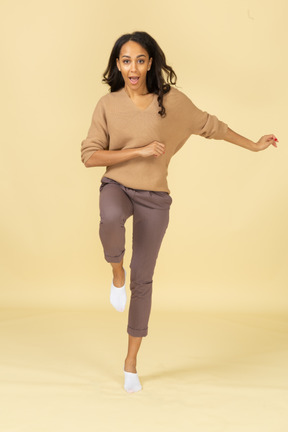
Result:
pixel 125 61
pixel 141 61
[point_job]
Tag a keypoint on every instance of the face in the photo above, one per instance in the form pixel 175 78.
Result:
pixel 134 63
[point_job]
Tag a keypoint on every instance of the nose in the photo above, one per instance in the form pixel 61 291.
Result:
pixel 133 66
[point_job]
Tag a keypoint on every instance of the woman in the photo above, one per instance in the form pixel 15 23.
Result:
pixel 135 130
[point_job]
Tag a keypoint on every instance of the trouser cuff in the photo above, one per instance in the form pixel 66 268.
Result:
pixel 117 259
pixel 137 333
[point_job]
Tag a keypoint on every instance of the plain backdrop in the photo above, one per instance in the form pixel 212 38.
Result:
pixel 216 356
pixel 226 245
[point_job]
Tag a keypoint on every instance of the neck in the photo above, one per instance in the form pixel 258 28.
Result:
pixel 142 91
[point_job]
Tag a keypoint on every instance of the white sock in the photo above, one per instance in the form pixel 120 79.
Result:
pixel 118 296
pixel 132 383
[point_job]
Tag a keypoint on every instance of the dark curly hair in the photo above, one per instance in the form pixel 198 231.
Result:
pixel 158 79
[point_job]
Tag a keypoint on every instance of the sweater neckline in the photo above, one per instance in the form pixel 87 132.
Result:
pixel 135 106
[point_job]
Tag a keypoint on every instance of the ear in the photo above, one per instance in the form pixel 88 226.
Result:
pixel 150 63
pixel 118 64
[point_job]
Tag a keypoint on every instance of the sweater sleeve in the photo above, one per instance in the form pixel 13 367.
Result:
pixel 97 137
pixel 204 124
pixel 212 127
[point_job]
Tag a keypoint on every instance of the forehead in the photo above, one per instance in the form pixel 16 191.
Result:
pixel 133 49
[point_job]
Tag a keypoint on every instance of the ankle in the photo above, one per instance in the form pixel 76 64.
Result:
pixel 130 365
pixel 118 276
pixel 117 266
pixel 117 271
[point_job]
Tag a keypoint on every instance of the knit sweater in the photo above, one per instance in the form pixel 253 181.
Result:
pixel 117 123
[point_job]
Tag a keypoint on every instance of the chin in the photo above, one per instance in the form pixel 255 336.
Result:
pixel 134 86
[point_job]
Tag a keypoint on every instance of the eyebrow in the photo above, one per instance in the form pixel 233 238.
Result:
pixel 140 55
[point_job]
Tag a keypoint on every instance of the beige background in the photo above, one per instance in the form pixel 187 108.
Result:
pixel 226 246
pixel 225 250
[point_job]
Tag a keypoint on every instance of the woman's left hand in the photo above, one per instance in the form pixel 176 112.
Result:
pixel 265 141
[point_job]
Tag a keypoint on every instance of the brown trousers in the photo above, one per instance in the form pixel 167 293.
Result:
pixel 150 212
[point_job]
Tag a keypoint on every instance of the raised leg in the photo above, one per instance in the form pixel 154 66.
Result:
pixel 118 274
pixel 115 208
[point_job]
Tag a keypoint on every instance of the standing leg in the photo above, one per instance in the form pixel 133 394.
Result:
pixel 133 348
pixel 150 221
pixel 132 383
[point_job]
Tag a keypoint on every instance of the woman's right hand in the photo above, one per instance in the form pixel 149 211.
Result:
pixel 153 149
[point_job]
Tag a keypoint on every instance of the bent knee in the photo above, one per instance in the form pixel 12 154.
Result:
pixel 112 218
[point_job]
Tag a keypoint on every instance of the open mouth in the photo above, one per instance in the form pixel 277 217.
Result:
pixel 134 80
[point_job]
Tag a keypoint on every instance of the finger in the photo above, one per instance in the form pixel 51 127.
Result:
pixel 273 140
pixel 160 150
pixel 158 144
pixel 158 153
pixel 272 137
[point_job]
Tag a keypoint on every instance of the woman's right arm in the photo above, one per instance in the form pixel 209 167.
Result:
pixel 113 157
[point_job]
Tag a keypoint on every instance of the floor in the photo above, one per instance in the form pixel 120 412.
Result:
pixel 62 370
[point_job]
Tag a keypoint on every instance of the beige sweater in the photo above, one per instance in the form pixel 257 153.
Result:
pixel 117 123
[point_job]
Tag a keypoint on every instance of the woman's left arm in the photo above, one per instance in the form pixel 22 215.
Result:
pixel 264 142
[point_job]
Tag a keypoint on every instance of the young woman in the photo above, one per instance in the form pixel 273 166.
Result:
pixel 136 129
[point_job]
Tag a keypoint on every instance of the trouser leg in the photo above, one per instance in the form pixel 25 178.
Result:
pixel 150 221
pixel 115 208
